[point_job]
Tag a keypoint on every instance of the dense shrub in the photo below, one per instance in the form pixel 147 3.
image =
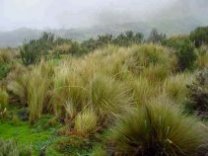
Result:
pixel 33 51
pixel 186 56
pixel 198 93
pixel 156 37
pixel 175 42
pixel 185 51
pixel 4 70
pixel 128 38
pixel 77 49
pixel 124 39
pixel 199 36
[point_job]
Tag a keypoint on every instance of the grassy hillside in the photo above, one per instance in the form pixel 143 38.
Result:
pixel 139 99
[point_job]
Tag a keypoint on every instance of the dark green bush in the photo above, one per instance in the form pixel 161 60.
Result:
pixel 199 36
pixel 198 93
pixel 185 51
pixel 156 37
pixel 77 49
pixel 128 38
pixel 32 52
pixel 186 56
pixel 4 70
pixel 175 42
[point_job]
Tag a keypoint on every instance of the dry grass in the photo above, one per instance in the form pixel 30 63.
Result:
pixel 85 122
pixel 4 97
pixel 176 87
pixel 156 129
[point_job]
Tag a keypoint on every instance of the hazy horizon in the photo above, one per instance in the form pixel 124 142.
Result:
pixel 81 20
pixel 67 14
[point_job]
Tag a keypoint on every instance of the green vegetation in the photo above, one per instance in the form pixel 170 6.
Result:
pixel 156 129
pixel 114 95
pixel 198 93
pixel 8 148
pixel 199 36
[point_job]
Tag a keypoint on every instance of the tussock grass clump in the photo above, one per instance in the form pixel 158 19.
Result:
pixel 156 129
pixel 107 95
pixel 18 88
pixel 202 57
pixel 31 89
pixel 4 97
pixel 142 90
pixel 8 148
pixel 37 91
pixel 68 86
pixel 17 84
pixel 5 56
pixel 3 103
pixel 71 111
pixel 156 74
pixel 176 87
pixel 85 122
pixel 99 151
pixel 141 57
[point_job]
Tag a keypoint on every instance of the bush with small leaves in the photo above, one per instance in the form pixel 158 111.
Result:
pixel 198 93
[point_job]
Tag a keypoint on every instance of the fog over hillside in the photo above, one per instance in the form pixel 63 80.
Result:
pixel 21 20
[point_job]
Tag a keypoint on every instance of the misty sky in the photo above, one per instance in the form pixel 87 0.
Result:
pixel 41 14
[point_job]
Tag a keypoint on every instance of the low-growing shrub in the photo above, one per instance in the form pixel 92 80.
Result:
pixel 199 36
pixel 4 70
pixel 99 151
pixel 198 93
pixel 186 56
pixel 73 146
pixel 33 51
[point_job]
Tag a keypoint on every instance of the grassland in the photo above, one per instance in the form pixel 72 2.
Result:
pixel 114 100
